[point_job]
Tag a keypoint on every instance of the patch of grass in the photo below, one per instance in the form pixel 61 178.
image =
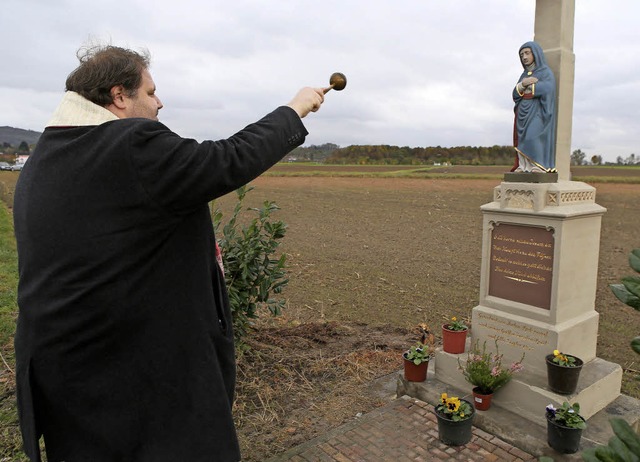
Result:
pixel 587 174
pixel 10 439
pixel 7 186
pixel 608 179
pixel 418 173
pixel 453 176
pixel 325 173
pixel 426 174
pixel 346 174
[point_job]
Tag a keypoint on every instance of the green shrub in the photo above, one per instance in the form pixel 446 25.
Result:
pixel 629 291
pixel 252 271
pixel 623 446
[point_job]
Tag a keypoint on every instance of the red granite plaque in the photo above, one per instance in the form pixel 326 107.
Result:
pixel 521 266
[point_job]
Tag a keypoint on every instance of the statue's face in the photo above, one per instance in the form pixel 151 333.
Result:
pixel 526 57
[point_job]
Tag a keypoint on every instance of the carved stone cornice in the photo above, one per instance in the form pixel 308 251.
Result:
pixel 539 197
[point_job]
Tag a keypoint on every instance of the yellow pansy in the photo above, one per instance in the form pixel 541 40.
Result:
pixel 453 404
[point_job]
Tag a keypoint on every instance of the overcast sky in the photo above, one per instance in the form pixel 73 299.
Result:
pixel 420 72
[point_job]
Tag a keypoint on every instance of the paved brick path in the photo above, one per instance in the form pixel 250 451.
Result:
pixel 405 430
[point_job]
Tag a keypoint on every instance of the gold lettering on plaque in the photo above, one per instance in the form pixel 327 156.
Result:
pixel 521 264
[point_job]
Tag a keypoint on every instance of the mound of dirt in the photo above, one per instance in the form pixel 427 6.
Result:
pixel 298 381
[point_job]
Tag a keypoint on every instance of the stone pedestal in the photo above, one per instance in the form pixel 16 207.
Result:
pixel 537 294
pixel 527 394
pixel 539 271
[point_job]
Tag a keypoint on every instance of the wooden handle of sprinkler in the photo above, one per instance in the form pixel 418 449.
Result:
pixel 328 88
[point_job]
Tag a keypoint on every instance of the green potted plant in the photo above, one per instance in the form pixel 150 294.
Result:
pixel 455 420
pixel 564 427
pixel 417 357
pixel 454 336
pixel 563 372
pixel 484 370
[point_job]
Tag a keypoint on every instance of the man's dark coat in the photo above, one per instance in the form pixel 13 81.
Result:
pixel 124 343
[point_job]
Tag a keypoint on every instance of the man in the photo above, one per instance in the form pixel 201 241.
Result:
pixel 534 131
pixel 124 343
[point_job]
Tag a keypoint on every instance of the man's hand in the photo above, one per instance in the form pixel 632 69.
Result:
pixel 528 81
pixel 307 100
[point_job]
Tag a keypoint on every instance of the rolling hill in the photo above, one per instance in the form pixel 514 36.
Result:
pixel 15 136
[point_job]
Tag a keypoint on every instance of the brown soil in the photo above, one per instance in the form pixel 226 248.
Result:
pixel 369 259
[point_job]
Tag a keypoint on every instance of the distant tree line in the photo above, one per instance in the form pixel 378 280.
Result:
pixel 312 153
pixel 632 159
pixel 395 155
pixel 23 148
pixel 8 152
pixel 330 153
pixel 579 158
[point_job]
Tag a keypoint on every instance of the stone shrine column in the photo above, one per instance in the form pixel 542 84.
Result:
pixel 540 254
pixel 553 30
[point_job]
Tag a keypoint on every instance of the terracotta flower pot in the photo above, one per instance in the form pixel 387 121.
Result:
pixel 481 401
pixel 454 433
pixel 563 379
pixel 565 440
pixel 414 373
pixel 453 341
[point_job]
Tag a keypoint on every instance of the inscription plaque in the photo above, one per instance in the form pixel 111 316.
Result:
pixel 517 334
pixel 521 266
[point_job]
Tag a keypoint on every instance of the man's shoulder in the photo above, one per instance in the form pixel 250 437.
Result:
pixel 134 123
pixel 133 129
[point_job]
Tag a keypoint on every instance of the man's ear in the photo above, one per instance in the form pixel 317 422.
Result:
pixel 118 95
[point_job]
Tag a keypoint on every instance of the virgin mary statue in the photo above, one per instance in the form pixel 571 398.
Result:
pixel 534 131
